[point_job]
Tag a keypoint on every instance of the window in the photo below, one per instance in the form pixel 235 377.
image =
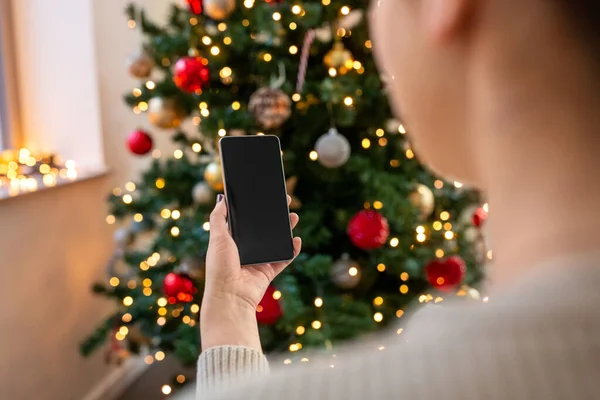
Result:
pixel 8 94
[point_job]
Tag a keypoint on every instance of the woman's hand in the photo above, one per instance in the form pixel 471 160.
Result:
pixel 232 292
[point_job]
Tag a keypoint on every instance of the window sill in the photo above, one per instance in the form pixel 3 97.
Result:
pixel 8 191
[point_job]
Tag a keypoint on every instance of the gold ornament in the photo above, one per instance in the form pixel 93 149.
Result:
pixel 213 175
pixel 422 198
pixel 140 64
pixel 339 58
pixel 345 273
pixel 165 113
pixel 218 9
pixel 290 184
pixel 270 107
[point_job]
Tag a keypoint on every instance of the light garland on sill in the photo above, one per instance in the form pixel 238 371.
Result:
pixel 23 172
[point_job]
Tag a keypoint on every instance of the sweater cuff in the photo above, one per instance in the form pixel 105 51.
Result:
pixel 225 366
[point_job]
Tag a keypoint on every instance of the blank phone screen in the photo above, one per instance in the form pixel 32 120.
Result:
pixel 255 189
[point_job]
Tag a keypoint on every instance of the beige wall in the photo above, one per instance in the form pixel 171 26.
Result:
pixel 54 244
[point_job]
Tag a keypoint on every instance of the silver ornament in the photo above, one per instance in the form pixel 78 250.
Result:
pixel 193 266
pixel 123 237
pixel 202 193
pixel 333 149
pixel 218 9
pixel 345 273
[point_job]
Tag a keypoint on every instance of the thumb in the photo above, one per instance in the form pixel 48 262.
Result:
pixel 218 218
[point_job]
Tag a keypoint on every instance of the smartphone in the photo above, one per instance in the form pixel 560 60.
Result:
pixel 258 213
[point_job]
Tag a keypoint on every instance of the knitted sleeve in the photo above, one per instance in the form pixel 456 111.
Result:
pixel 226 366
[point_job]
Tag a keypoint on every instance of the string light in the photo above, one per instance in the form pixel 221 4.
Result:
pixel 110 219
pixel 215 51
pixel 300 330
pixel 222 132
pixel 318 302
pixel 248 3
pixel 458 185
pixel 438 184
pixel 180 378
pixel 161 302
pixel 147 291
pixel 206 226
pixel 197 147
pixel 378 317
pixel 449 235
pixel 175 214
pixel 377 301
pixel 138 217
pixel 127 301
pixel 326 2
pixel 293 50
pixel 366 143
pixel 380 132
pixel 345 10
pixel 126 317
pixel 166 389
pixel 316 325
pixel 267 57
pixel 276 295
pixel 313 155
pixel 421 237
pixel 225 72
pixel 114 281
pixel 404 276
pixel 404 289
pixel 377 205
pixel 296 97
pixel 447 226
pixel 276 16
pixel 136 92
pixel 352 271
pixel 205 112
pixel 245 22
pixel 437 225
pixel 394 242
pixel 332 72
pixel 195 308
pixel 165 213
pixel 486 208
pixel 489 255
pixel 161 321
pixel 131 24
pixel 287 361
pixel 150 85
pixel 162 311
pixel 193 21
pixel 236 105
pixel 186 319
pixel 293 26
pixel 409 154
pixel 401 129
pixel 174 231
pixel 144 266
pixel 444 215
pixel 132 284
pixel 227 40
pixel 160 183
pixel 399 313
pixel 439 253
pixel 382 142
pixel 380 267
pixel 368 44
pixel 348 101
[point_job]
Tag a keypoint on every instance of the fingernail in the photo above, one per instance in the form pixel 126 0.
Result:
pixel 219 198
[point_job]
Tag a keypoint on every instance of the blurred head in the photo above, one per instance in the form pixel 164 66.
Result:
pixel 449 62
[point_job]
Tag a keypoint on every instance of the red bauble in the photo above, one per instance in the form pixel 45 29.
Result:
pixel 368 230
pixel 479 217
pixel 179 288
pixel 446 274
pixel 190 74
pixel 269 310
pixel 195 6
pixel 139 142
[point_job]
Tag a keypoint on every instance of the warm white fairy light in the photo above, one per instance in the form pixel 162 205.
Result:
pixel 313 155
pixel 293 49
pixel 248 3
pixel 293 26
pixel 276 16
pixel 222 27
pixel 206 226
pixel 276 295
pixel 378 317
pixel 222 132
pixel 197 147
pixel 332 72
pixel 318 302
pixel 150 85
pixel 345 10
pixel 215 50
pixel 348 101
pixel 174 231
pixel 394 242
pixel 166 389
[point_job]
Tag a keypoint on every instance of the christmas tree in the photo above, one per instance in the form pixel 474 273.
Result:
pixel 379 230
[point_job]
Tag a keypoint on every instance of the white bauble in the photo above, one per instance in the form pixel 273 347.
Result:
pixel 123 237
pixel 333 149
pixel 345 273
pixel 202 193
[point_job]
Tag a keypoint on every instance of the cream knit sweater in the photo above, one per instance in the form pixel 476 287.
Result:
pixel 539 340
